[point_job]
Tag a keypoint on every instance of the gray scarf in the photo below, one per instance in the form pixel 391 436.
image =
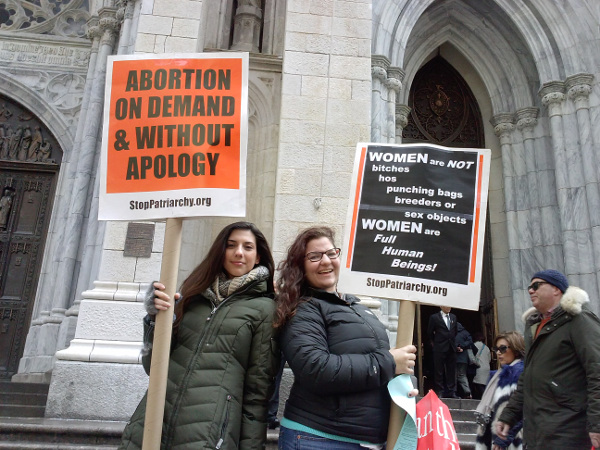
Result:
pixel 224 287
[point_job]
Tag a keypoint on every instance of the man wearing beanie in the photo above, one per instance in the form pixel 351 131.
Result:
pixel 558 395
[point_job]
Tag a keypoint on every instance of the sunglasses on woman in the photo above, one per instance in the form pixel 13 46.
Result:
pixel 502 349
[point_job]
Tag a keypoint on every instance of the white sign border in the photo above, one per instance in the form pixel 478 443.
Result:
pixel 230 203
pixel 449 294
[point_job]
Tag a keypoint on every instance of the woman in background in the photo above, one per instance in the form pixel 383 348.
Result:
pixel 338 351
pixel 223 359
pixel 482 357
pixel 510 348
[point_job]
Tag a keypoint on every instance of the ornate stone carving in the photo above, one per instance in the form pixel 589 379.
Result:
pixel 247 26
pixel 579 88
pixel 58 17
pixel 552 94
pixel 526 118
pixel 394 81
pixel 64 90
pixel 109 25
pixel 402 112
pixel 503 125
pixel 23 137
pixel 6 202
pixel 379 66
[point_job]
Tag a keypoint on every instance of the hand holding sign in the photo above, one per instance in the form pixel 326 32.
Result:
pixel 405 358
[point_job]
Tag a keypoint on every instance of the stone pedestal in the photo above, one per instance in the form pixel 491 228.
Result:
pixel 98 377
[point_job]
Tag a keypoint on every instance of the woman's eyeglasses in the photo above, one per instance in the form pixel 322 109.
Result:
pixel 502 349
pixel 535 286
pixel 332 253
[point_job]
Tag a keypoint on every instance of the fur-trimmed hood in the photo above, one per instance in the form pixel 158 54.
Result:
pixel 571 302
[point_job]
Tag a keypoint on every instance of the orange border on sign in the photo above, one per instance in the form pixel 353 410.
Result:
pixel 477 216
pixel 359 179
pixel 194 104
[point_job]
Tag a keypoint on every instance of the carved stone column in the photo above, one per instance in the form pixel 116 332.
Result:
pixel 44 332
pixel 43 338
pixel 393 83
pixel 504 127
pixel 529 214
pixel 576 232
pixel 402 112
pixel 247 26
pixel 89 154
pixel 379 66
pixel 579 88
pixel 125 15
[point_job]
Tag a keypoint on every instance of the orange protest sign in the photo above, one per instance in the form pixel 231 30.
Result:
pixel 174 123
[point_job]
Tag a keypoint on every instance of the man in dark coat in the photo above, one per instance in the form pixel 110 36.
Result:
pixel 558 395
pixel 464 342
pixel 442 335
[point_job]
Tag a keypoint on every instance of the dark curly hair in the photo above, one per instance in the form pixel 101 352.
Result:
pixel 212 265
pixel 291 284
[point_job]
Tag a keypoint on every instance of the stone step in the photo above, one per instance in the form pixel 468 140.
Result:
pixel 23 433
pixel 17 398
pixel 22 399
pixel 34 433
pixel 8 410
pixel 43 446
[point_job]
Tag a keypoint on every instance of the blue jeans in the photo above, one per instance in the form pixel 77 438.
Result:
pixel 300 440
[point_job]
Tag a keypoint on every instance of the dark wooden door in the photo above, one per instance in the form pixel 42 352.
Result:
pixel 444 111
pixel 25 206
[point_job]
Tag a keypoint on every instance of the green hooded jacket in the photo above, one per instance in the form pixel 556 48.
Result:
pixel 221 375
pixel 558 394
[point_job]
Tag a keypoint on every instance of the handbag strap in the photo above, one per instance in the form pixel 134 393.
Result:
pixel 480 350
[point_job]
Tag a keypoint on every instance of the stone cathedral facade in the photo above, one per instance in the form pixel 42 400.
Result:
pixel 518 77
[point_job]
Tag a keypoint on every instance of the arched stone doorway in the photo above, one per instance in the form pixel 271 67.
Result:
pixel 30 158
pixel 444 111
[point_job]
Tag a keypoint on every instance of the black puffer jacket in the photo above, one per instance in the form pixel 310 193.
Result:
pixel 339 353
pixel 221 374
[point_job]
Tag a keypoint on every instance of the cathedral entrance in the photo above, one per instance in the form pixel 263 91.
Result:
pixel 444 112
pixel 29 163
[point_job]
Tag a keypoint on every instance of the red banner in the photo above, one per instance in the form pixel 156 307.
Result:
pixel 434 425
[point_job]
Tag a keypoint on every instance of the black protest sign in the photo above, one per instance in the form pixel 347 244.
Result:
pixel 417 215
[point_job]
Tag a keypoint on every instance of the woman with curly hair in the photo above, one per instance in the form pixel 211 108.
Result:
pixel 338 351
pixel 510 348
pixel 223 358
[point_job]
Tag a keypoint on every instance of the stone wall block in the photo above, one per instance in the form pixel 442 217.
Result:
pixel 189 28
pixel 349 67
pixel 111 321
pixel 88 399
pixel 308 23
pixel 187 9
pixel 351 28
pixel 148 269
pixel 115 266
pixel 306 64
pixel 155 25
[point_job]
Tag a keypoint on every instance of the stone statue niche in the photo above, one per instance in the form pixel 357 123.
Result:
pixel 23 138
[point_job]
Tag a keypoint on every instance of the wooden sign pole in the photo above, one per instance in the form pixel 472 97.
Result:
pixel 161 347
pixel 404 336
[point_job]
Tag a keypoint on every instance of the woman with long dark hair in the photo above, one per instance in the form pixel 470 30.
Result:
pixel 223 358
pixel 338 351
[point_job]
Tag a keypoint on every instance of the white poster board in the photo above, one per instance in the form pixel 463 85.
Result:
pixel 416 224
pixel 175 136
